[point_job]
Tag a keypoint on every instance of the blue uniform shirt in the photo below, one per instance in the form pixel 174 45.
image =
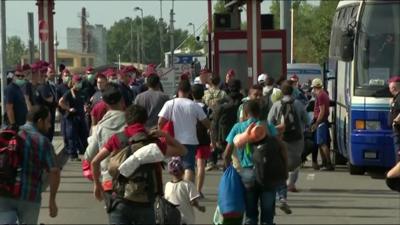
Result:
pixel 246 160
pixel 15 96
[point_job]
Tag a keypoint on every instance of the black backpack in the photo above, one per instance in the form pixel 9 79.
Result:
pixel 227 118
pixel 269 163
pixel 166 212
pixel 10 163
pixel 293 131
pixel 202 133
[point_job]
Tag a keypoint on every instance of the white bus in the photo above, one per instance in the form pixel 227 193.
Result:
pixel 364 54
pixel 305 71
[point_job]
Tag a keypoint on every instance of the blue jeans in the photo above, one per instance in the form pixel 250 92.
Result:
pixel 13 211
pixel 267 206
pixel 130 213
pixel 396 142
pixel 189 160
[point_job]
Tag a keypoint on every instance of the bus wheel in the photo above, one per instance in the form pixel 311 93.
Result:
pixel 356 170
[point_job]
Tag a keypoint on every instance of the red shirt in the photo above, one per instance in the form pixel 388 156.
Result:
pixel 99 110
pixel 322 100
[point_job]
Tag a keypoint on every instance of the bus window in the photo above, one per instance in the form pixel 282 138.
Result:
pixel 378 54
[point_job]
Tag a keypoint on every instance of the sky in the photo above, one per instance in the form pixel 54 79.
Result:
pixel 105 13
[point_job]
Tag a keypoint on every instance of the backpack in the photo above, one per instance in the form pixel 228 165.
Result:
pixel 142 185
pixel 166 212
pixel 269 163
pixel 267 98
pixel 214 97
pixel 10 163
pixel 227 117
pixel 293 131
pixel 202 133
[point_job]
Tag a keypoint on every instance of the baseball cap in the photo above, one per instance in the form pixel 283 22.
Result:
pixel 231 73
pixel 262 78
pixel 76 77
pixel 316 83
pixel 89 69
pixel 395 79
pixel 197 80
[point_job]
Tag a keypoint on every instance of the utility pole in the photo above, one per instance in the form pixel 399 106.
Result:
pixel 31 38
pixel 172 42
pixel 3 58
pixel 285 25
pixel 56 43
pixel 143 56
pixel 131 42
pixel 139 60
pixel 161 36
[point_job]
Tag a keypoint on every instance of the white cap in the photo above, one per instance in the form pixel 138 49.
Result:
pixel 197 80
pixel 262 78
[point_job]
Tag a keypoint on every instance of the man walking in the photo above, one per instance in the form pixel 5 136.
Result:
pixel 184 113
pixel 37 156
pixel 152 100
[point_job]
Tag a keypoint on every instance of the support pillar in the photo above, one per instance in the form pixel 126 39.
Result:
pixel 45 13
pixel 253 41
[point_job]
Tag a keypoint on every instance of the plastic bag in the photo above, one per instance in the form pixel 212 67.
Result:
pixel 231 196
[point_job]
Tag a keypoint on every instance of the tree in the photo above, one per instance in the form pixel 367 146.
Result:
pixel 15 49
pixel 119 41
pixel 312 28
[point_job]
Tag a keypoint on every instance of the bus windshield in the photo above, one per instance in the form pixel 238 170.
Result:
pixel 378 53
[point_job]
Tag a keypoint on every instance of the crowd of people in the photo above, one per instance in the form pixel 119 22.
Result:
pixel 116 111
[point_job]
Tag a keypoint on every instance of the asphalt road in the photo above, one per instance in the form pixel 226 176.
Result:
pixel 324 198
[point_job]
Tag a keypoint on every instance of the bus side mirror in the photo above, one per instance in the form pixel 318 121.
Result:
pixel 347 45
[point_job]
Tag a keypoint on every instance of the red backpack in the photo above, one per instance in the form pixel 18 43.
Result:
pixel 10 163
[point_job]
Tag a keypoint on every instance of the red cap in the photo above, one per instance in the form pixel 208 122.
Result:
pixel 18 69
pixel 35 67
pixel 26 67
pixel 185 76
pixel 110 72
pixel 294 77
pixel 231 73
pixel 150 70
pixel 395 79
pixel 89 69
pixel 130 69
pixel 205 70
pixel 76 77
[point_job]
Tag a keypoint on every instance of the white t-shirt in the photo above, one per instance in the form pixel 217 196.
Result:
pixel 182 193
pixel 185 114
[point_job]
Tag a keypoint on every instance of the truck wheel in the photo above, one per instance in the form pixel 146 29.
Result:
pixel 356 170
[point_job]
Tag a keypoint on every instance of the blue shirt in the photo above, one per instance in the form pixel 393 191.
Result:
pixel 246 160
pixel 15 96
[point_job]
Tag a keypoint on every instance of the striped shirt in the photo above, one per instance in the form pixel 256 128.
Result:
pixel 37 155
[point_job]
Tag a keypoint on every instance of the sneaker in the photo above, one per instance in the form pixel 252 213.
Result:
pixel 315 166
pixel 201 195
pixel 293 189
pixel 210 167
pixel 328 167
pixel 285 208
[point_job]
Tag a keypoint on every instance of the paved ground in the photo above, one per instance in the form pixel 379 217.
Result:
pixel 324 198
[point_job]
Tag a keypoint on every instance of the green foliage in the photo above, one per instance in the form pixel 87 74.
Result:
pixel 15 48
pixel 119 39
pixel 312 28
pixel 219 7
